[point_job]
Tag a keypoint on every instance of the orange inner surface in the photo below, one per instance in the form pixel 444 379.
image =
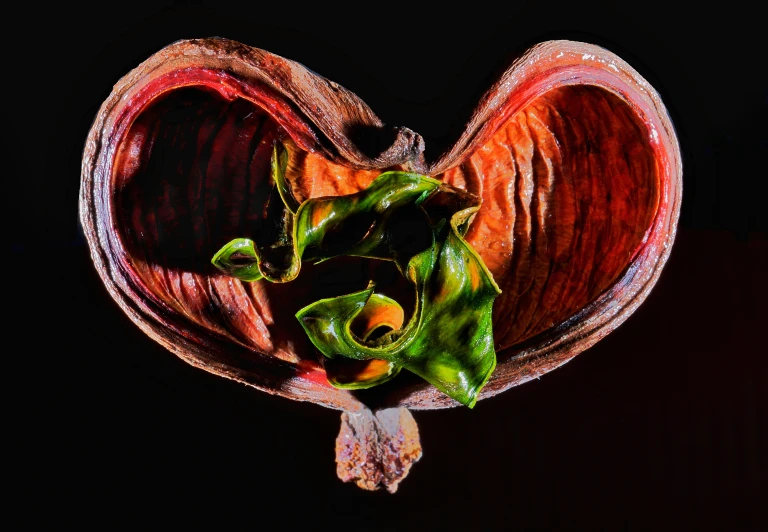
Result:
pixel 568 190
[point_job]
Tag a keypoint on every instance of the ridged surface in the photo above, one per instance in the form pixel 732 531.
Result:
pixel 190 176
pixel 567 199
pixel 172 169
pixel 565 189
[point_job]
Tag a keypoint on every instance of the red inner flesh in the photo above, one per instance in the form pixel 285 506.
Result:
pixel 568 188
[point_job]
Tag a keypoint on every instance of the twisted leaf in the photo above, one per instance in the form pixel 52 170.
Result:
pixel 448 340
pixel 413 220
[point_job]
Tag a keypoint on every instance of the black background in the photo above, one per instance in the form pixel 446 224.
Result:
pixel 660 426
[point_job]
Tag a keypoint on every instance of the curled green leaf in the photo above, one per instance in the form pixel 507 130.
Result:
pixel 271 254
pixel 239 259
pixel 379 315
pixel 381 222
pixel 417 222
pixel 278 164
pixel 448 340
pixel 361 224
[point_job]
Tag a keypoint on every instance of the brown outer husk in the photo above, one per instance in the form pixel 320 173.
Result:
pixel 324 117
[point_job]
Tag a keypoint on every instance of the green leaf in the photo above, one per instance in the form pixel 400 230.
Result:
pixel 359 374
pixel 417 222
pixel 239 259
pixel 380 222
pixel 361 224
pixel 278 164
pixel 271 254
pixel 448 340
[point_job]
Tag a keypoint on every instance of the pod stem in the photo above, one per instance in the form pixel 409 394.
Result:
pixel 377 450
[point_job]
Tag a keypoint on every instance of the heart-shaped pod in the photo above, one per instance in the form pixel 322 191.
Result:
pixel 571 150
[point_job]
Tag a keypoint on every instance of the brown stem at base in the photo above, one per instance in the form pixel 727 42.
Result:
pixel 377 450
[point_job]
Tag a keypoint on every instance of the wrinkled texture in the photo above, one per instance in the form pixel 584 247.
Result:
pixel 377 450
pixel 568 136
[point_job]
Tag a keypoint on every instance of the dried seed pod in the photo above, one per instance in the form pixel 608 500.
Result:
pixel 571 152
